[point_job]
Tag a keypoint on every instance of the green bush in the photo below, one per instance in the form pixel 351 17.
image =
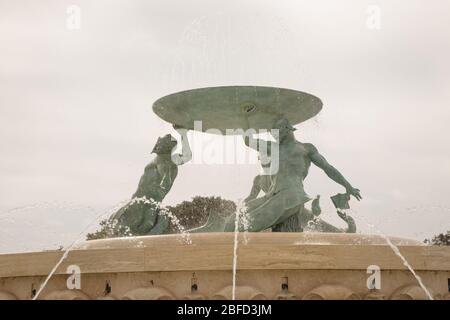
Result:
pixel 442 239
pixel 191 214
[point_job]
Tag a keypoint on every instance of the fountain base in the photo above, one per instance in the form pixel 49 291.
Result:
pixel 269 266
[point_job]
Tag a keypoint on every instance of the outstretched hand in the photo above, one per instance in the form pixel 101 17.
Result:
pixel 354 192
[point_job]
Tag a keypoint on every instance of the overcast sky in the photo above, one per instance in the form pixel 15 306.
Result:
pixel 77 127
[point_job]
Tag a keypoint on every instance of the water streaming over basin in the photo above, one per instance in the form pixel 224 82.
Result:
pixel 184 234
pixel 241 226
pixel 406 264
pixel 397 252
pixel 241 219
pixel 71 246
pixel 235 255
pixel 43 205
pixel 43 226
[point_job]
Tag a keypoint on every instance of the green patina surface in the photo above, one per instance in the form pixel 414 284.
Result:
pixel 282 207
pixel 236 107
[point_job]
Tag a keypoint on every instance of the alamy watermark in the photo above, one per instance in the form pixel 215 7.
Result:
pixel 373 21
pixel 212 151
pixel 374 280
pixel 74 280
pixel 73 19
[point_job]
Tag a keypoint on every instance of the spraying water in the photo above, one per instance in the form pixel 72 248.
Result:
pixel 5 215
pixel 71 246
pixel 245 221
pixel 240 219
pixel 405 262
pixel 185 235
pixel 235 255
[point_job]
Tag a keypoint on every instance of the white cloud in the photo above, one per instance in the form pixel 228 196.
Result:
pixel 75 109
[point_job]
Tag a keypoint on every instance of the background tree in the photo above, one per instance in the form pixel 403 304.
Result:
pixel 108 229
pixel 442 239
pixel 191 214
pixel 194 213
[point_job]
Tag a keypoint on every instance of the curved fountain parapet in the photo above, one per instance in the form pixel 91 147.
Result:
pixel 269 266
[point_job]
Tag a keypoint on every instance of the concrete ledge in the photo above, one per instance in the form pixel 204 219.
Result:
pixel 308 259
pixel 214 251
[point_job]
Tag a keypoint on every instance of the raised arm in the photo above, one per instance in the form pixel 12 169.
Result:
pixel 331 171
pixel 186 153
pixel 260 145
pixel 256 144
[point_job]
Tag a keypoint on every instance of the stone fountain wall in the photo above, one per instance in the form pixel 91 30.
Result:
pixel 269 266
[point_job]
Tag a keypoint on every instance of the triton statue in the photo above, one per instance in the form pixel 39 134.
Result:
pixel 282 207
pixel 307 219
pixel 287 184
pixel 239 110
pixel 141 216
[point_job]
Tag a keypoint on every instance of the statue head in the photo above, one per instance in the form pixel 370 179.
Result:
pixel 165 144
pixel 284 128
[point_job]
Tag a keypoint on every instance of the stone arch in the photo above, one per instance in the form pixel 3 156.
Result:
pixel 331 292
pixel 286 295
pixel 242 293
pixel 151 293
pixel 375 295
pixel 4 295
pixel 409 292
pixel 107 298
pixel 66 295
pixel 194 296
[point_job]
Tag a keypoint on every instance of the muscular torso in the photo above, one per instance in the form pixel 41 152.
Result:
pixel 294 161
pixel 157 179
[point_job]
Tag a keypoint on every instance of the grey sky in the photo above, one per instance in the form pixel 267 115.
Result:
pixel 77 126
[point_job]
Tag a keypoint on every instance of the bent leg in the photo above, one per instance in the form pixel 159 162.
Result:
pixel 162 223
pixel 265 216
pixel 292 223
pixel 215 223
